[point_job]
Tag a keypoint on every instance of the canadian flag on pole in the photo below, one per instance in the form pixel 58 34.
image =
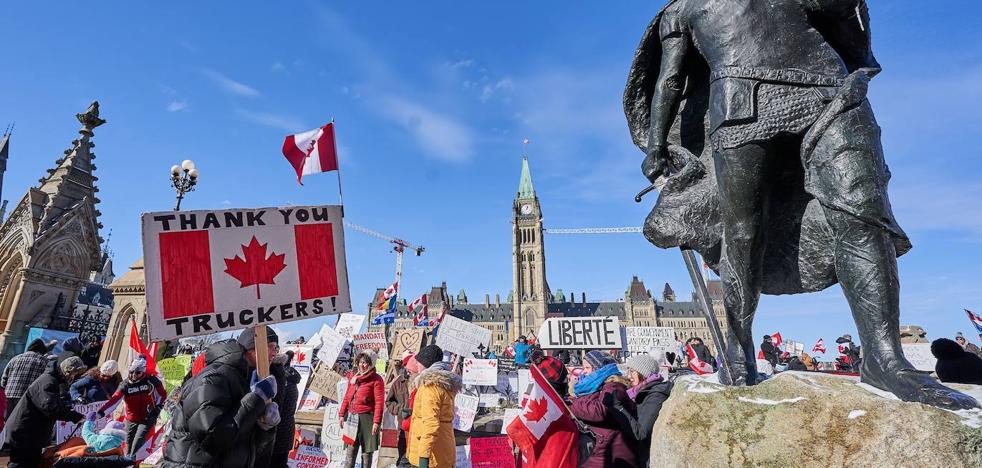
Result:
pixel 545 431
pixel 312 151
pixel 776 339
pixel 137 348
pixel 819 346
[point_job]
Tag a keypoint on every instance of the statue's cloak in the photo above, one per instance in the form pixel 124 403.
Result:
pixel 799 255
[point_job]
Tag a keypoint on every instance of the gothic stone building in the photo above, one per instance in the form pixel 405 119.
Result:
pixel 531 301
pixel 50 244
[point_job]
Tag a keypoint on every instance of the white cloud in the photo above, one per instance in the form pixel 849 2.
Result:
pixel 437 134
pixel 278 67
pixel 229 85
pixel 177 106
pixel 489 90
pixel 286 123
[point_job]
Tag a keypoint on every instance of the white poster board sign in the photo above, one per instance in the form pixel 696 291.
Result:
pixel 480 371
pixel 462 337
pixel 372 341
pixel 464 410
pixel 332 344
pixel 64 429
pixel 580 333
pixel 650 340
pixel 919 354
pixel 303 355
pixel 308 456
pixel 331 435
pixel 349 324
pixel 215 271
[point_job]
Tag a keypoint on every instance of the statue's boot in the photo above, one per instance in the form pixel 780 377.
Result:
pixel 899 377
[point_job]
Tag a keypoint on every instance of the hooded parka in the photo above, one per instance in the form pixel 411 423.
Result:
pixel 214 425
pixel 431 432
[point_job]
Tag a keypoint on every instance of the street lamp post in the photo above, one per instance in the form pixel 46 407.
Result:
pixel 183 178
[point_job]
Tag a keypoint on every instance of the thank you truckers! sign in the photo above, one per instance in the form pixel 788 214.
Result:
pixel 580 333
pixel 213 271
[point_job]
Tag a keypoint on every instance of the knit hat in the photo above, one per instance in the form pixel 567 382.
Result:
pixel 959 335
pixel 37 346
pixel 248 338
pixel 643 364
pixel 115 429
pixel 429 355
pixel 72 365
pixel 109 368
pixel 139 364
pixel 598 359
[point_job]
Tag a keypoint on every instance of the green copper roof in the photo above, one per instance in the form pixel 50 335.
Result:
pixel 525 189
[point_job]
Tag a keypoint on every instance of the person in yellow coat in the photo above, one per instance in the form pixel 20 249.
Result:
pixel 431 439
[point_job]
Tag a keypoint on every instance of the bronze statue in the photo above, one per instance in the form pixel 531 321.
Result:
pixel 753 114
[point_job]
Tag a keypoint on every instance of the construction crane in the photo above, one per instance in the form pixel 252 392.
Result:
pixel 399 245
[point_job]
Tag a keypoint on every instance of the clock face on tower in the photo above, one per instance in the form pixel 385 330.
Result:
pixel 526 209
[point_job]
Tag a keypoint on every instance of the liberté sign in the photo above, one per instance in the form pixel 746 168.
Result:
pixel 580 333
pixel 214 271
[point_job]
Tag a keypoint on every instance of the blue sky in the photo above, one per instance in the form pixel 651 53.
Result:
pixel 432 101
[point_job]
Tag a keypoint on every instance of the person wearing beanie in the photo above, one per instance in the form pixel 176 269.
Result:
pixel 143 396
pixel 21 371
pixel 601 381
pixel 287 394
pixel 553 370
pixel 649 392
pixel 431 436
pixel 216 421
pixel 45 402
pixel 98 384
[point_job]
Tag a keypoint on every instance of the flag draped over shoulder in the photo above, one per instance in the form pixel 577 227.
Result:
pixel 312 151
pixel 545 431
pixel 138 348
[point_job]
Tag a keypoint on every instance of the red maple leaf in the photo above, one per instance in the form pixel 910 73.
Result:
pixel 536 409
pixel 256 268
pixel 300 357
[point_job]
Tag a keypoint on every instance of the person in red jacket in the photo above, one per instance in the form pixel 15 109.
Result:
pixel 365 399
pixel 144 396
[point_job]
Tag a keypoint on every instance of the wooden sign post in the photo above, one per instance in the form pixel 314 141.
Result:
pixel 262 352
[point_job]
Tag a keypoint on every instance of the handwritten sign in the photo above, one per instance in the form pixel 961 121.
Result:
pixel 65 428
pixel 372 341
pixel 464 409
pixel 489 400
pixel 332 343
pixel 461 337
pixel 491 452
pixel 331 434
pixel 325 381
pixel 173 371
pixel 650 340
pixel 480 371
pixel 308 456
pixel 580 333
pixel 349 324
pixel 407 339
pixel 919 354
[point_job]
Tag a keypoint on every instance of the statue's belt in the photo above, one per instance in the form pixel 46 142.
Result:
pixel 789 76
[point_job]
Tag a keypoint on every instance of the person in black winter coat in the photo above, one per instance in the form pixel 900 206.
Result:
pixel 286 398
pixel 216 422
pixel 955 364
pixel 46 401
pixel 649 391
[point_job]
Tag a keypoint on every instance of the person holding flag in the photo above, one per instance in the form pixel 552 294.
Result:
pixel 602 382
pixel 545 430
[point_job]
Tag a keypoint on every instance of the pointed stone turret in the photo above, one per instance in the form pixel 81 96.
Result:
pixel 525 189
pixel 668 295
pixel 4 153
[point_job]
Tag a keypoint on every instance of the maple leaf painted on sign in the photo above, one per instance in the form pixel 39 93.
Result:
pixel 255 268
pixel 301 357
pixel 536 409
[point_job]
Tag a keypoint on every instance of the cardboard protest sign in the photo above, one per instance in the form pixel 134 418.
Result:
pixel 304 372
pixel 480 371
pixel 919 354
pixel 308 456
pixel 309 401
pixel 215 271
pixel 372 341
pixel 325 381
pixel 491 452
pixel 464 410
pixel 580 333
pixel 349 324
pixel 462 337
pixel 407 339
pixel 172 371
pixel 489 400
pixel 332 343
pixel 64 429
pixel 331 434
pixel 649 340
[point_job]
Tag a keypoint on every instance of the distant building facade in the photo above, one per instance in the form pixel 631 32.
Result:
pixel 531 301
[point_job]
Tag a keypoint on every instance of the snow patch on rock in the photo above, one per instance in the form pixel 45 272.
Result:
pixel 765 401
pixel 856 413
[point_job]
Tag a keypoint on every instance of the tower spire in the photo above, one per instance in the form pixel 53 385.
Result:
pixel 525 188
pixel 4 153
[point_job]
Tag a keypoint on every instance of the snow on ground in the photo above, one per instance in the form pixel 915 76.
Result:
pixel 970 417
pixel 764 401
pixel 878 392
pixel 856 413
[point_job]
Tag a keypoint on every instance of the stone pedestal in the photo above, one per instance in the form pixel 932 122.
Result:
pixel 810 420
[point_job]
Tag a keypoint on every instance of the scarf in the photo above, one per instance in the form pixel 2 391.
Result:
pixel 633 391
pixel 591 383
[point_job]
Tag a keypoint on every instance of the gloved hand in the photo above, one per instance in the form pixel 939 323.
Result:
pixel 265 388
pixel 92 416
pixel 271 417
pixel 424 462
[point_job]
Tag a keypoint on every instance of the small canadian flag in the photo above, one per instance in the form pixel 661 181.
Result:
pixel 312 151
pixel 544 430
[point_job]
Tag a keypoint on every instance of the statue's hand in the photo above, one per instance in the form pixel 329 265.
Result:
pixel 655 163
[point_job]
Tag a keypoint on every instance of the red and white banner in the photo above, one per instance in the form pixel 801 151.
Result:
pixel 819 346
pixel 701 367
pixel 214 271
pixel 312 151
pixel 545 431
pixel 776 339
